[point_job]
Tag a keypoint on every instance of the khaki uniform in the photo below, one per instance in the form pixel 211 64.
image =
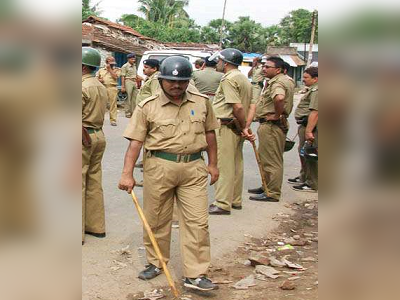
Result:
pixel 256 78
pixel 234 88
pixel 150 87
pixel 308 103
pixel 129 72
pixel 271 136
pixel 111 85
pixel 94 102
pixel 165 126
pixel 207 81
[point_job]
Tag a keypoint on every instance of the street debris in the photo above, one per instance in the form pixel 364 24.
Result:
pixel 153 295
pixel 256 259
pixel 118 265
pixel 267 271
pixel 293 265
pixel 288 285
pixel 274 262
pixel 245 283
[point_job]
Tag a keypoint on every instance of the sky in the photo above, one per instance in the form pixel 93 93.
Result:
pixel 203 11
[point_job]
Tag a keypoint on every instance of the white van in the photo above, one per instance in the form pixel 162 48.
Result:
pixel 191 55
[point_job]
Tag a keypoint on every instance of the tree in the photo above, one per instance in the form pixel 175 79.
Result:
pixel 88 10
pixel 164 12
pixel 296 27
pixel 247 35
pixel 211 33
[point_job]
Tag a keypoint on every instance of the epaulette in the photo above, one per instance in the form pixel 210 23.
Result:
pixel 143 103
pixel 198 94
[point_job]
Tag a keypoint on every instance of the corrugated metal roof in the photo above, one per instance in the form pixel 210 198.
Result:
pixel 293 60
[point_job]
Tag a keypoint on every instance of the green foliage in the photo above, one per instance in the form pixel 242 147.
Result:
pixel 167 21
pixel 296 27
pixel 88 10
pixel 164 12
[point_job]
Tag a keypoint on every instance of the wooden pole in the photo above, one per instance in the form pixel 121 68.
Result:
pixel 263 180
pixel 221 34
pixel 310 52
pixel 155 245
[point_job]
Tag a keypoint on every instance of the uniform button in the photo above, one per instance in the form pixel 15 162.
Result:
pixel 184 134
pixel 185 147
pixel 182 121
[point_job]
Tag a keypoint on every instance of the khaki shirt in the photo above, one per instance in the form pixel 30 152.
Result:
pixel 279 85
pixel 165 126
pixel 234 88
pixel 94 101
pixel 108 80
pixel 207 80
pixel 128 71
pixel 150 87
pixel 258 75
pixel 308 102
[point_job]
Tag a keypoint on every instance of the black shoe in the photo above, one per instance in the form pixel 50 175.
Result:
pixel 215 210
pixel 98 235
pixel 295 180
pixel 238 207
pixel 150 272
pixel 304 188
pixel 200 283
pixel 263 198
pixel 256 191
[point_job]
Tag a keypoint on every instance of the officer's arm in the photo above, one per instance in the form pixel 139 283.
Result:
pixel 250 115
pixel 212 156
pixel 312 121
pixel 279 104
pixel 132 153
pixel 238 112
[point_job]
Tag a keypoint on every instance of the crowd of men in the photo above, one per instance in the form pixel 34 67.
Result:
pixel 175 115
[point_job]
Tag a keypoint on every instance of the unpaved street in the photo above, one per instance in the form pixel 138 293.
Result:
pixel 110 266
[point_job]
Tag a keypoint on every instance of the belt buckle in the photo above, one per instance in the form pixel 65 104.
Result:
pixel 186 158
pixel 178 158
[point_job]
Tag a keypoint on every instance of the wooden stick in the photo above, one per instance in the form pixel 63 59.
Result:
pixel 263 180
pixel 155 245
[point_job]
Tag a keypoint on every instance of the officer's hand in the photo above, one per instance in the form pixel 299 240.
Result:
pixel 126 183
pixel 309 136
pixel 248 135
pixel 123 89
pixel 214 172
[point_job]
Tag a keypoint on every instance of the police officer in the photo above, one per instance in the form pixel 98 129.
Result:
pixel 151 85
pixel 208 79
pixel 232 104
pixel 94 101
pixel 199 64
pixel 128 83
pixel 175 126
pixel 306 116
pixel 257 78
pixel 274 107
pixel 108 76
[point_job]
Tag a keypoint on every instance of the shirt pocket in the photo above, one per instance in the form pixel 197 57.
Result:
pixel 197 124
pixel 167 128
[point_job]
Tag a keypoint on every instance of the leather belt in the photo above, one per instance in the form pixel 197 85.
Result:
pixel 176 157
pixel 210 94
pixel 225 121
pixel 92 130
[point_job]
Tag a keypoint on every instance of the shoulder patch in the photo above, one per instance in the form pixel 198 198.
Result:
pixel 314 89
pixel 197 94
pixel 147 100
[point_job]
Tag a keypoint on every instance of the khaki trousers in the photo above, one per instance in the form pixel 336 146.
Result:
pixel 309 169
pixel 256 92
pixel 165 181
pixel 112 92
pixel 228 188
pixel 271 147
pixel 132 91
pixel 93 216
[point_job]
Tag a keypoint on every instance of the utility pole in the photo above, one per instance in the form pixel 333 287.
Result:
pixel 221 33
pixel 310 52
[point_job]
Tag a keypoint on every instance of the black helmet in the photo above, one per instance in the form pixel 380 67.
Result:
pixel 175 68
pixel 229 55
pixel 309 152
